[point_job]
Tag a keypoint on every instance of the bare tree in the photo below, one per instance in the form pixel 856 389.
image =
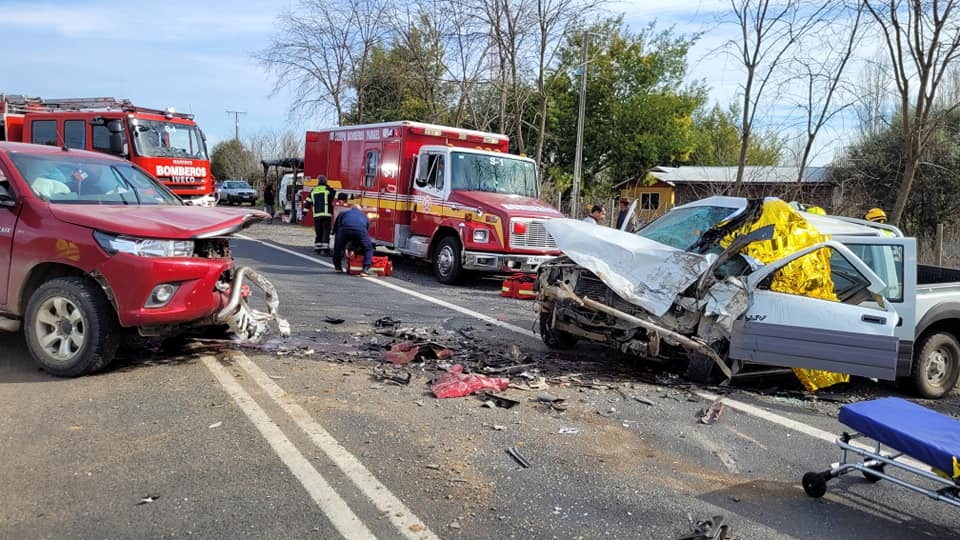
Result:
pixel 872 91
pixel 322 50
pixel 822 77
pixel 769 31
pixel 923 40
pixel 554 19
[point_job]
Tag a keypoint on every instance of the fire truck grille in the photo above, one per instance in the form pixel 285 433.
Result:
pixel 535 237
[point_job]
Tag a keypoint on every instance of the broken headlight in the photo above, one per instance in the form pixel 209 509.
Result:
pixel 143 247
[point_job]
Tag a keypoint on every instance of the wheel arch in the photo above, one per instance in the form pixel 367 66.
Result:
pixel 45 272
pixel 443 231
pixel 940 318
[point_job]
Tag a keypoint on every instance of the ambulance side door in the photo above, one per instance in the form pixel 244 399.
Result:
pixel 429 183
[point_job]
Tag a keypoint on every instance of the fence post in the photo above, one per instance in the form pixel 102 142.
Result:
pixel 938 246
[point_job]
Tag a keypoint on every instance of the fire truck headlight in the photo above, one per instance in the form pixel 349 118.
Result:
pixel 481 235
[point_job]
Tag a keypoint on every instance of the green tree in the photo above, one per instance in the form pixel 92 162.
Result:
pixel 231 159
pixel 639 112
pixel 717 140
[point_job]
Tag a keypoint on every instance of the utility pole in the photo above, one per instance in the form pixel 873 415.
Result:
pixel 236 123
pixel 578 154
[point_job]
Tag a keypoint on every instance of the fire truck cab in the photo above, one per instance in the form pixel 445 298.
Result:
pixel 165 143
pixel 452 196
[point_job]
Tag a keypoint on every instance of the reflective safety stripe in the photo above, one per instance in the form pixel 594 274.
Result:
pixel 320 209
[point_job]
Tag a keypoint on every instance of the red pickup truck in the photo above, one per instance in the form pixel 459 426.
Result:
pixel 91 245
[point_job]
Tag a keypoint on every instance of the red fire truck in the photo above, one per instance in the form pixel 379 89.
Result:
pixel 167 144
pixel 452 196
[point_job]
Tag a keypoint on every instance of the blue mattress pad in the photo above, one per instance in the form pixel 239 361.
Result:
pixel 917 431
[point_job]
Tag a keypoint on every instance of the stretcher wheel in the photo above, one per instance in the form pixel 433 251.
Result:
pixel 872 478
pixel 814 484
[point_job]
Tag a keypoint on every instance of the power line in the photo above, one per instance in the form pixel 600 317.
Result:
pixel 236 123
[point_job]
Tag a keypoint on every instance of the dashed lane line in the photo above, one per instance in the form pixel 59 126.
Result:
pixel 335 508
pixel 409 525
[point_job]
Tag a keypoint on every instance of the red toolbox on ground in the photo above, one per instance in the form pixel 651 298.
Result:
pixel 382 265
pixel 520 286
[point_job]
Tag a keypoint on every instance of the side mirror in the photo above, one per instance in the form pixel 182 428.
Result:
pixel 343 197
pixel 6 199
pixel 115 126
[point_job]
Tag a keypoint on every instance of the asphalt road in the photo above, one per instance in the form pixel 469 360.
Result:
pixel 300 439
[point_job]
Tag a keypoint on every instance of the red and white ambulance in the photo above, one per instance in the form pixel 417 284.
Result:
pixel 452 196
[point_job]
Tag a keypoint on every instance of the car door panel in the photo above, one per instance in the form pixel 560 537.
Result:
pixel 792 330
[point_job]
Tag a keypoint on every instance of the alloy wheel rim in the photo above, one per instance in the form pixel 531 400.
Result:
pixel 60 328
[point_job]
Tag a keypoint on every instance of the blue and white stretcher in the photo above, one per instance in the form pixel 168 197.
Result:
pixel 910 431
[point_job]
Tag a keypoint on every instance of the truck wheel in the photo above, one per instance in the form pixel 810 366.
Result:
pixel 936 367
pixel 553 338
pixel 702 369
pixel 446 261
pixel 70 327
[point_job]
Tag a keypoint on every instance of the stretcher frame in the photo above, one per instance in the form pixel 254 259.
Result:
pixel 872 465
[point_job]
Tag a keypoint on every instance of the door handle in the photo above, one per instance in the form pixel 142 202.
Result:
pixel 873 319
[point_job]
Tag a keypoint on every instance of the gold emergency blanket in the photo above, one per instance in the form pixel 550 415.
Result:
pixel 807 276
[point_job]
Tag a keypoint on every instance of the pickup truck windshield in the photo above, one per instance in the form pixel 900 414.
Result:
pixel 493 174
pixel 153 138
pixel 682 227
pixel 65 179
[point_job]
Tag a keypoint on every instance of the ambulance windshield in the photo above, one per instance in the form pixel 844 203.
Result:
pixel 493 174
pixel 154 138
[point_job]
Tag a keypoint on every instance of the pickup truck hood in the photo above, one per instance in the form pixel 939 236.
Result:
pixel 642 271
pixel 506 205
pixel 168 222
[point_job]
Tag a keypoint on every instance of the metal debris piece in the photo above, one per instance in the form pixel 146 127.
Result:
pixel 499 401
pixel 709 529
pixel 399 377
pixel 147 499
pixel 384 322
pixel 568 431
pixel 643 400
pixel 518 457
pixel 508 369
pixel 333 320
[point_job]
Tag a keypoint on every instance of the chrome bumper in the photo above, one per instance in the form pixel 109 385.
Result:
pixel 247 323
pixel 502 262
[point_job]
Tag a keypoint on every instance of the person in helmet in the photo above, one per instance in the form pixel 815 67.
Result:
pixel 816 210
pixel 876 215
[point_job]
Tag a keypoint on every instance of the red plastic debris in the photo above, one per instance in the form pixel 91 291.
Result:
pixel 401 353
pixel 456 383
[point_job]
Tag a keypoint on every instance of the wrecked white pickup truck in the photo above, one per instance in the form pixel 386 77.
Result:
pixel 727 281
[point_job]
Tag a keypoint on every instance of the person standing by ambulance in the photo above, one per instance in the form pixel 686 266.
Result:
pixel 321 200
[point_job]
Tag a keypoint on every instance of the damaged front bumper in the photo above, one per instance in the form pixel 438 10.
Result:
pixel 247 323
pixel 550 294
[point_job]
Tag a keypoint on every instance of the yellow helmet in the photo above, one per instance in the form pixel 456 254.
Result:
pixel 816 210
pixel 877 215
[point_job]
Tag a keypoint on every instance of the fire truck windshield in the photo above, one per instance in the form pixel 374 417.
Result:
pixel 493 173
pixel 153 138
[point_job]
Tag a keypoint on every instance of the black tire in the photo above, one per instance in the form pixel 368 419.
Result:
pixel 936 366
pixel 702 369
pixel 553 338
pixel 447 265
pixel 814 485
pixel 70 327
pixel 870 477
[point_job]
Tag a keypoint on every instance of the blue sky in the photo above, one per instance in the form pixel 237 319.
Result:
pixel 195 55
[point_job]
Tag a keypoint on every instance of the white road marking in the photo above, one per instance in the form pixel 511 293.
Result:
pixel 335 508
pixel 383 283
pixel 409 525
pixel 800 427
pixel 745 408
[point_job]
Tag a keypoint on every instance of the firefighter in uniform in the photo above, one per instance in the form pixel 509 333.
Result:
pixel 321 200
pixel 877 215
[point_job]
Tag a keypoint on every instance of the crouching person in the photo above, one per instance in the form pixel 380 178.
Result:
pixel 352 228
